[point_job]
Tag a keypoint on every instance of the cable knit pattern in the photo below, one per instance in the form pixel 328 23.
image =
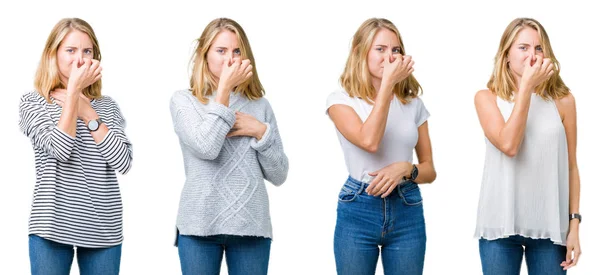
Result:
pixel 224 191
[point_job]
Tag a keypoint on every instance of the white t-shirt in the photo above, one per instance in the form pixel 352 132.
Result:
pixel 399 140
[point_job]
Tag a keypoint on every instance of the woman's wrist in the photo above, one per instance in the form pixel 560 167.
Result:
pixel 261 129
pixel 574 225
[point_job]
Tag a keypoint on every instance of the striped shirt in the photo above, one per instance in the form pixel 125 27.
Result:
pixel 76 199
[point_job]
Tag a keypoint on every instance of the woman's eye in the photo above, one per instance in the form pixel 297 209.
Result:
pixel 237 51
pixel 539 49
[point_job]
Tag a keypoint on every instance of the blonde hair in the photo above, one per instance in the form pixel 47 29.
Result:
pixel 47 76
pixel 356 79
pixel 203 82
pixel 502 82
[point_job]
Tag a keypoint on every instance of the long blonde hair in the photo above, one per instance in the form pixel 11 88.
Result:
pixel 203 82
pixel 356 79
pixel 47 76
pixel 502 82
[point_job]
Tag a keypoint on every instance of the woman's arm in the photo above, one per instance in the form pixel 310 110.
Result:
pixel 367 135
pixel 203 133
pixel 112 142
pixel 273 160
pixel 35 122
pixel 427 172
pixel 387 178
pixel 566 106
pixel 506 136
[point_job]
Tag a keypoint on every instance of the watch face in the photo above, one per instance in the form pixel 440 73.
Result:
pixel 93 125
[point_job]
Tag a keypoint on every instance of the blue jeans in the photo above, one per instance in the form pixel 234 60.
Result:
pixel 504 256
pixel 244 254
pixel 52 258
pixel 365 223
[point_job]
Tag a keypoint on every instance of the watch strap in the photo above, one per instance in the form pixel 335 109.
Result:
pixel 575 216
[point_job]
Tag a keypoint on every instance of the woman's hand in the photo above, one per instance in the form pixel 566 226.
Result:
pixel 233 73
pixel 247 125
pixel 84 72
pixel 387 178
pixel 398 70
pixel 541 71
pixel 573 249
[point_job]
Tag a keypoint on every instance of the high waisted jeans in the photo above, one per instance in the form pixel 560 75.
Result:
pixel 365 223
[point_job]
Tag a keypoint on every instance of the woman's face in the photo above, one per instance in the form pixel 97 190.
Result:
pixel 385 45
pixel 527 43
pixel 75 47
pixel 225 48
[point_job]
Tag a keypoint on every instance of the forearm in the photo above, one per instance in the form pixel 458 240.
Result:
pixel 116 150
pixel 427 172
pixel 373 128
pixel 68 117
pixel 574 190
pixel 222 96
pixel 99 134
pixel 204 135
pixel 272 158
pixel 274 165
pixel 513 131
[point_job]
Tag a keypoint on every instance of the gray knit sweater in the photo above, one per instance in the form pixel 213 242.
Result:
pixel 224 191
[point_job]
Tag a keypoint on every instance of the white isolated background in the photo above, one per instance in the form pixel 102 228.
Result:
pixel 300 49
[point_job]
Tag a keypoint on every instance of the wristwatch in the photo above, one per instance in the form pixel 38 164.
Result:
pixel 575 216
pixel 413 174
pixel 94 124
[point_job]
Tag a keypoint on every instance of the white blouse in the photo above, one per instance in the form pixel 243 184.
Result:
pixel 528 194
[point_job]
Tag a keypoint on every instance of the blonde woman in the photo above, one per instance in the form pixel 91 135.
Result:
pixel 230 145
pixel 380 120
pixel 529 200
pixel 79 142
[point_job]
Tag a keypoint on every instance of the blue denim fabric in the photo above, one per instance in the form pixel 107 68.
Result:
pixel 504 256
pixel 243 254
pixel 52 258
pixel 365 224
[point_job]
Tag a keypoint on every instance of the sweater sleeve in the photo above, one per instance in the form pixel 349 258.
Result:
pixel 35 122
pixel 115 147
pixel 203 133
pixel 272 158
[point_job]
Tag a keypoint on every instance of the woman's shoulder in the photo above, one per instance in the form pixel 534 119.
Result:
pixel 484 93
pixel 567 100
pixel 185 94
pixel 32 96
pixel 566 105
pixel 485 96
pixel 259 104
pixel 339 96
pixel 183 97
pixel 106 101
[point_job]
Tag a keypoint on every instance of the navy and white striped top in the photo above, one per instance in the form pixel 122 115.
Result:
pixel 76 199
